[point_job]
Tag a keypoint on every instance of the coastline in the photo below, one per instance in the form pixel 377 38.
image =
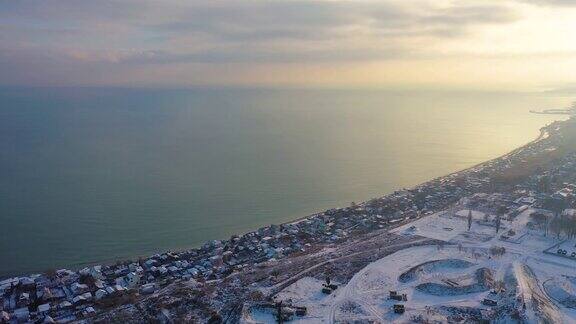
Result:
pixel 540 136
pixel 78 266
pixel 234 276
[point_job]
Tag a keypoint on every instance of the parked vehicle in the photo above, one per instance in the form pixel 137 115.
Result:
pixel 489 302
pixel 399 309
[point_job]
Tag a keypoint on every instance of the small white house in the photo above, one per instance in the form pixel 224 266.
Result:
pixel 148 289
pixel 78 288
pixel 4 317
pixel 24 299
pixel 110 290
pixel 132 279
pixel 89 311
pixel 100 293
pixel 87 295
pixel 119 288
pixel 78 299
pixel 44 308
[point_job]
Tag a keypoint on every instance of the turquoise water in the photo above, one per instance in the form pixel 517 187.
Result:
pixel 95 175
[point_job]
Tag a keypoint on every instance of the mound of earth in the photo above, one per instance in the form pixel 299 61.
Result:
pixel 431 266
pixel 483 283
pixel 562 291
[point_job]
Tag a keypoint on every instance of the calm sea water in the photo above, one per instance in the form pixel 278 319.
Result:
pixel 95 175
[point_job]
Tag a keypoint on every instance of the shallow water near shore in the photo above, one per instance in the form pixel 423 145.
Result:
pixel 96 175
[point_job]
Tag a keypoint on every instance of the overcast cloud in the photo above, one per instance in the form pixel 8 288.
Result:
pixel 140 42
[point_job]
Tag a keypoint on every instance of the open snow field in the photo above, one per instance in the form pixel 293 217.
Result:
pixel 450 227
pixel 450 282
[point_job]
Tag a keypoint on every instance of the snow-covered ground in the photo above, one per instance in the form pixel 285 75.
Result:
pixel 449 226
pixel 441 281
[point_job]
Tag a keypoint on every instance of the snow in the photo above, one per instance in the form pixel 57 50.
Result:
pixel 448 226
pixel 262 316
pixel 524 268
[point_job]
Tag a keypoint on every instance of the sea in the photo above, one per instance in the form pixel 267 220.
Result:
pixel 96 175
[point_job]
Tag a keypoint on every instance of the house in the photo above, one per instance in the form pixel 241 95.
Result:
pixel 89 311
pixel 95 272
pixel 100 293
pixel 78 300
pixel 162 270
pixel 78 288
pixel 26 281
pixel 44 308
pixel 4 317
pixel 24 299
pixel 150 263
pixel 4 288
pixel 110 290
pixel 119 288
pixel 526 201
pixel 45 294
pixel 147 289
pixel 194 272
pixel 120 281
pixel 57 293
pixel 87 296
pixel 132 279
pixel 22 314
pixel 99 284
pixel 64 273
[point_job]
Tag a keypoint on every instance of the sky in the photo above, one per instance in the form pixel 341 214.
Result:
pixel 519 45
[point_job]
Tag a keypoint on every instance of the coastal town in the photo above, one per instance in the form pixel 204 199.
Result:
pixel 265 275
pixel 288 162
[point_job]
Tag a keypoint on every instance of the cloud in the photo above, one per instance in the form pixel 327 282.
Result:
pixel 246 55
pixel 565 3
pixel 303 20
pixel 471 15
pixel 145 32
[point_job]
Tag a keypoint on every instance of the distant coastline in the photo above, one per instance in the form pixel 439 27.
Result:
pixel 561 111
